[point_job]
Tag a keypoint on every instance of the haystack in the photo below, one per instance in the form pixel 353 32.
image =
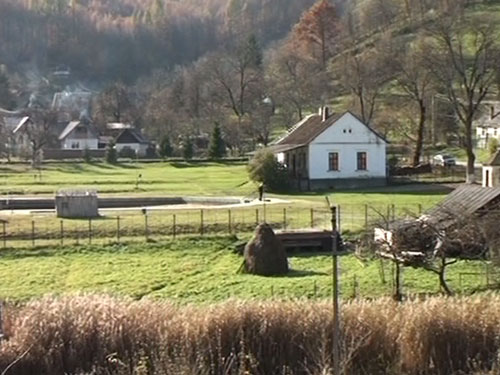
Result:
pixel 265 254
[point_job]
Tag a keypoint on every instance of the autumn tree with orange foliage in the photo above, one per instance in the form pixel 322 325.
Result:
pixel 318 30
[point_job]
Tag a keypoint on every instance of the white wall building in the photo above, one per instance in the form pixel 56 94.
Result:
pixel 338 151
pixel 79 135
pixel 488 125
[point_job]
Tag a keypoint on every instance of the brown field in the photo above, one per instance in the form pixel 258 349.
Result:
pixel 104 335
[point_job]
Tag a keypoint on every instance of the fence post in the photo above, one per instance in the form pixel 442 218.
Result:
pixel 62 232
pixel 393 209
pixel 312 217
pixel 338 217
pixel 90 231
pixel 201 222
pixel 33 233
pixel 256 216
pixel 315 288
pixel 118 229
pixel 419 209
pixel 229 223
pixel 284 218
pixel 4 234
pixel 174 226
pixel 146 230
pixel 366 217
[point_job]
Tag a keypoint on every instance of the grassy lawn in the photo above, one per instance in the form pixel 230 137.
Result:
pixel 200 270
pixel 155 178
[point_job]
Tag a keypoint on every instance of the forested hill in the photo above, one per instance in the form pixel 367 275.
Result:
pixel 124 39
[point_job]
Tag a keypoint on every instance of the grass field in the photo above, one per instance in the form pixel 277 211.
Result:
pixel 153 178
pixel 202 270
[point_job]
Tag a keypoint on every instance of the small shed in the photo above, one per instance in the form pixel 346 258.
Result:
pixel 77 203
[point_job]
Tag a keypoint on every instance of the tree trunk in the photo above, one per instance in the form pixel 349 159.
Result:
pixel 442 278
pixel 398 296
pixel 471 158
pixel 420 136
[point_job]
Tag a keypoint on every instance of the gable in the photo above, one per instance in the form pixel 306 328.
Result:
pixel 130 136
pixel 348 129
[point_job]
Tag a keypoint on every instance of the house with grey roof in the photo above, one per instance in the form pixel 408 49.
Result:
pixel 126 137
pixel 79 135
pixel 325 151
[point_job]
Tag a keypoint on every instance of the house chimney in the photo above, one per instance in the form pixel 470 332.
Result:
pixel 325 113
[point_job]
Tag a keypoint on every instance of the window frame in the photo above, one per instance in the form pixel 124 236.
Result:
pixel 333 162
pixel 361 161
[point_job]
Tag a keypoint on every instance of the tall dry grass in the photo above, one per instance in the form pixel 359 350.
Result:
pixel 104 335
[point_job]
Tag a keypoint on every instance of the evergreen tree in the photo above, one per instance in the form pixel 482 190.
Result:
pixel 165 147
pixel 251 52
pixel 111 154
pixel 6 100
pixel 188 149
pixel 217 147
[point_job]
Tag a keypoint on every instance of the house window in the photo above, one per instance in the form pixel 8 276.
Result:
pixel 333 161
pixel 361 161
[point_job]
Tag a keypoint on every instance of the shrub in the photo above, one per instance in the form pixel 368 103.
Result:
pixel 165 147
pixel 87 157
pixel 217 147
pixel 264 168
pixel 111 154
pixel 492 146
pixel 187 149
pixel 127 152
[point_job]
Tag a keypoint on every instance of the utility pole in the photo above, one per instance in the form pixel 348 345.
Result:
pixel 335 288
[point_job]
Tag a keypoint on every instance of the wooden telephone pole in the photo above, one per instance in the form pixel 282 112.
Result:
pixel 335 287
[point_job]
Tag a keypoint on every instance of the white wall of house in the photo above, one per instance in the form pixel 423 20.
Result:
pixel 347 136
pixel 139 148
pixel 80 143
pixel 484 134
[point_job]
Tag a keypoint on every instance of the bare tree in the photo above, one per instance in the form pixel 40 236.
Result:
pixel 463 55
pixel 415 80
pixel 236 80
pixel 435 243
pixel 35 133
pixel 363 74
pixel 295 81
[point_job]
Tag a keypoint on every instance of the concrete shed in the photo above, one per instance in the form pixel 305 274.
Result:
pixel 77 203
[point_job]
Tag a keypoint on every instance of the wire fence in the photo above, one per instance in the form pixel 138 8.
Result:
pixel 158 225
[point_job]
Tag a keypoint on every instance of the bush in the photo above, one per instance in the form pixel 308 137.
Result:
pixel 217 147
pixel 111 154
pixel 86 155
pixel 187 149
pixel 127 152
pixel 265 169
pixel 165 147
pixel 492 146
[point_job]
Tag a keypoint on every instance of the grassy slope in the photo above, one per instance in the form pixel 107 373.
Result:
pixel 196 270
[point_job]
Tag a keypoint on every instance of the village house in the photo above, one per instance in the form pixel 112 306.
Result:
pixel 326 151
pixel 79 135
pixel 126 137
pixel 488 125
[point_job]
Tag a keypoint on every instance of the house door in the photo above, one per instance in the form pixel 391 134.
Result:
pixel 488 182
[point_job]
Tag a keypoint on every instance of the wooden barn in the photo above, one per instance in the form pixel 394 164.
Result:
pixel 81 203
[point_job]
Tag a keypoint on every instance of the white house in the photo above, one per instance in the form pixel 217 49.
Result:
pixel 488 125
pixel 126 137
pixel 79 135
pixel 337 151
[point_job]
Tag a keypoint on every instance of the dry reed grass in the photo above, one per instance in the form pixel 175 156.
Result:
pixel 105 335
